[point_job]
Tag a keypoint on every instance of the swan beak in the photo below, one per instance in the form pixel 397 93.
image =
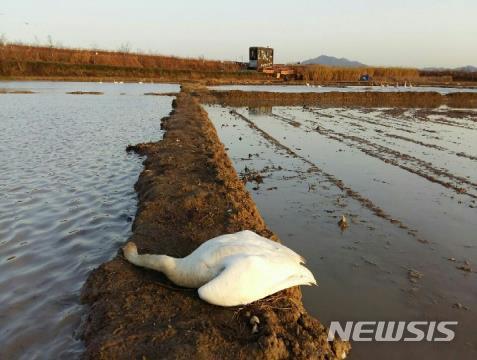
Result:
pixel 130 250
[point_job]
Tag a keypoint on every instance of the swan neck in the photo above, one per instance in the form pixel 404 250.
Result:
pixel 168 264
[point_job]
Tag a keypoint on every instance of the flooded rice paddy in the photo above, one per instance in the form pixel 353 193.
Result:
pixel 67 202
pixel 322 89
pixel 106 88
pixel 406 180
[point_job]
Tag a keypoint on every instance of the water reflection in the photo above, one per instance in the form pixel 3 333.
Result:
pixel 66 203
pixel 364 271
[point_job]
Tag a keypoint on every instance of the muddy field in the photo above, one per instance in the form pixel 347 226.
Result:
pixel 400 168
pixel 406 180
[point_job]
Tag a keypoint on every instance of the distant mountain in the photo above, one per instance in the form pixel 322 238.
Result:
pixel 333 61
pixel 468 68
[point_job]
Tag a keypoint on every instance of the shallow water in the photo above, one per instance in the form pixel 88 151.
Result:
pixel 363 271
pixel 321 89
pixel 67 202
pixel 108 88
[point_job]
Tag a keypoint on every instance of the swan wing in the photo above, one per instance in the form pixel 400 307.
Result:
pixel 273 245
pixel 248 237
pixel 247 278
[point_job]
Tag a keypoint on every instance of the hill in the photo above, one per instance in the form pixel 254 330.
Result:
pixel 468 68
pixel 333 61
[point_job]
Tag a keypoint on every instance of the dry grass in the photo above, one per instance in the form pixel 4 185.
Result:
pixel 451 75
pixel 320 73
pixel 44 62
pixel 23 53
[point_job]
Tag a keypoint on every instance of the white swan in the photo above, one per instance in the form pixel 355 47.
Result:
pixel 230 270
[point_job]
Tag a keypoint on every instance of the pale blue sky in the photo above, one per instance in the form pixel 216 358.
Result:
pixel 377 32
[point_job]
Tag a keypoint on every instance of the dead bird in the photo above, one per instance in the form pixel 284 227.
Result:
pixel 232 269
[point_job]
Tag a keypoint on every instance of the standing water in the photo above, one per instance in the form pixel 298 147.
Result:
pixel 405 180
pixel 67 201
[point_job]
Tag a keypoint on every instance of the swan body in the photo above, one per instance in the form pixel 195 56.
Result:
pixel 230 270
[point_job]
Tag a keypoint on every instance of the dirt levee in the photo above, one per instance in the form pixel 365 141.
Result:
pixel 338 99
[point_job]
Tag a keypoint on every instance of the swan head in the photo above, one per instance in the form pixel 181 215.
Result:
pixel 163 263
pixel 130 250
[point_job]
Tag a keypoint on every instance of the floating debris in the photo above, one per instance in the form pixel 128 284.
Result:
pixel 460 306
pixel 343 223
pixel 414 275
pixel 249 175
pixel 85 93
pixel 465 267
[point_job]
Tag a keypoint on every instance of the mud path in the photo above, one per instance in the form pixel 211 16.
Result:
pixel 189 193
pixel 331 178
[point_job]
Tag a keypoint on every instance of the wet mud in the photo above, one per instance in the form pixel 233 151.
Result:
pixel 387 273
pixel 404 161
pixel 25 92
pixel 331 178
pixel 160 94
pixel 85 93
pixel 189 192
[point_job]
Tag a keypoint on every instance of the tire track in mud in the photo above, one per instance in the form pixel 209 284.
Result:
pixel 397 125
pixel 409 119
pixel 356 118
pixel 405 119
pixel 395 136
pixel 423 115
pixel 287 120
pixel 423 168
pixel 432 146
pixel 418 142
pixel 365 202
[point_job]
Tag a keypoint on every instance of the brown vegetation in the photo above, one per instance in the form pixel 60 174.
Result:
pixel 338 99
pixel 22 53
pixel 449 75
pixel 321 73
pixel 391 75
pixel 34 62
pixel 46 62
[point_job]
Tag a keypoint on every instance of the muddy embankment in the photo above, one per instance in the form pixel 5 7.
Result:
pixel 188 193
pixel 338 99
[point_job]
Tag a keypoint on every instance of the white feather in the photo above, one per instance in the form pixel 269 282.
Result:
pixel 233 269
